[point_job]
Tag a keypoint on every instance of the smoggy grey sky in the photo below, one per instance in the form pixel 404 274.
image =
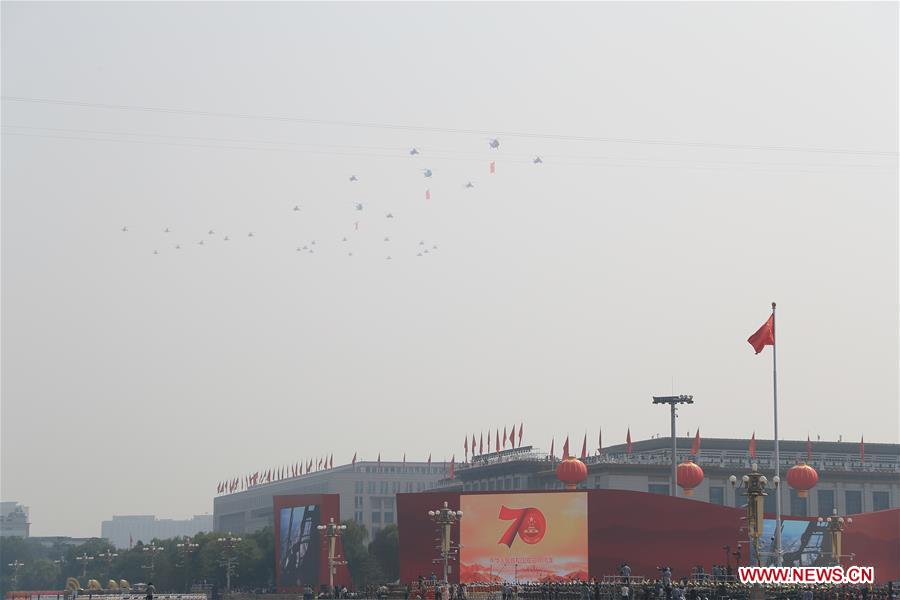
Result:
pixel 561 294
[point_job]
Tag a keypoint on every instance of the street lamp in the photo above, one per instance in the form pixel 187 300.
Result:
pixel 672 401
pixel 445 517
pixel 185 549
pixel 228 544
pixel 332 531
pixel 152 551
pixel 755 484
pixel 836 525
pixel 16 565
pixel 84 559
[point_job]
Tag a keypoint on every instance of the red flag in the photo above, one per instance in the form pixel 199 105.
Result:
pixel 452 466
pixel 764 336
pixel 566 449
pixel 512 437
pixel 695 447
pixel 466 447
pixel 428 194
pixel 600 443
pixel 752 446
pixel 628 447
pixel 492 167
pixel 862 450
pixel 404 458
pixel 331 461
pixel 504 436
pixel 481 443
pixel 379 459
pixel 552 441
pixel 497 445
pixel 808 449
pixel 429 458
pixel 584 448
pixel 520 435
pixel 473 445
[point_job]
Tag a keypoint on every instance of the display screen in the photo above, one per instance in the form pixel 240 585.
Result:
pixel 803 543
pixel 530 537
pixel 299 546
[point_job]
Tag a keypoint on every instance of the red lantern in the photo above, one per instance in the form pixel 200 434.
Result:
pixel 571 471
pixel 690 475
pixel 802 478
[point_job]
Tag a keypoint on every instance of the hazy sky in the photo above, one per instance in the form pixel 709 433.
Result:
pixel 562 294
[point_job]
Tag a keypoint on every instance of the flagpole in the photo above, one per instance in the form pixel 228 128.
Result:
pixel 777 480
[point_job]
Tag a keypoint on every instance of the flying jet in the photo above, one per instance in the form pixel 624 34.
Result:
pixel 344 240
pixel 226 238
pixel 211 232
pixel 469 184
pixel 167 230
pixel 427 172
pixel 537 160
pixel 413 152
pixel 177 247
pixel 125 228
pixel 422 243
pixel 296 208
pixel 388 258
pixel 359 206
pixel 494 143
pixel 250 234
pixel 387 239
pixel 419 254
pixel 354 178
pixel 200 242
pixel 155 252
pixel 389 216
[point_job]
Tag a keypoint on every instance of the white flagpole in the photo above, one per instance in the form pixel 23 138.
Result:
pixel 777 481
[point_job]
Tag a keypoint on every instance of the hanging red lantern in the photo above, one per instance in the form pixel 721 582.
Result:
pixel 571 472
pixel 802 478
pixel 690 475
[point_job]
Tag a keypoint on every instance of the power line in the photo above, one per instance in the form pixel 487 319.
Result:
pixel 401 127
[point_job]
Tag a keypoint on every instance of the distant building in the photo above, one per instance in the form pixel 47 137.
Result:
pixel 55 541
pixel 367 491
pixel 846 483
pixel 14 520
pixel 127 530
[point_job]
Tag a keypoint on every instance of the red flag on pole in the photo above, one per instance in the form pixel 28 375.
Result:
pixel 552 441
pixel 481 443
pixel 520 435
pixel 584 448
pixel 752 446
pixel 429 458
pixel 504 436
pixel 473 445
pixel 808 449
pixel 492 168
pixel 600 443
pixel 695 447
pixel 379 459
pixel 862 450
pixel 764 336
pixel 404 458
pixel 628 447
pixel 466 447
pixel 331 461
pixel 452 466
pixel 353 462
pixel 428 194
pixel 512 437
pixel 566 449
pixel 497 445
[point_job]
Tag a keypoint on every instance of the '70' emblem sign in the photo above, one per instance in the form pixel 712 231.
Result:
pixel 528 524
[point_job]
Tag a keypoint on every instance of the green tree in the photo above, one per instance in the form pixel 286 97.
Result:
pixel 40 574
pixel 385 550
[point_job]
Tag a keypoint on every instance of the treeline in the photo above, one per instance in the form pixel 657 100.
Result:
pixel 47 568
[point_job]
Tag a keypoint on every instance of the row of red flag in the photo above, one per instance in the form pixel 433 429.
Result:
pixel 514 440
pixel 279 473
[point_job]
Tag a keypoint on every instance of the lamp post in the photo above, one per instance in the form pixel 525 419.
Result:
pixel 445 517
pixel 152 550
pixel 185 549
pixel 84 559
pixel 332 531
pixel 228 544
pixel 755 485
pixel 107 557
pixel 672 401
pixel 16 565
pixel 836 525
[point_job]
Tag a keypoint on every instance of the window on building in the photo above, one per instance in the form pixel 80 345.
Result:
pixel 881 500
pixel 717 495
pixel 658 488
pixel 853 498
pixel 376 517
pixel 357 502
pixel 357 516
pixel 383 486
pixel 491 485
pixel 826 502
pixel 388 517
pixel 798 505
pixel 370 487
pixel 375 503
pixel 358 487
pixel 389 503
pixel 516 483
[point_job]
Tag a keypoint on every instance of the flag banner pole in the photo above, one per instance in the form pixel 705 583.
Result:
pixel 778 554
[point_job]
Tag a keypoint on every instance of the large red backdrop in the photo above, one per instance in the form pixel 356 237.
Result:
pixel 647 531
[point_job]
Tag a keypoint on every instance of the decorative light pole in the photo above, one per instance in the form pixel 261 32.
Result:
pixel 332 531
pixel 185 549
pixel 16 565
pixel 152 550
pixel 672 401
pixel 228 544
pixel 84 559
pixel 107 557
pixel 836 525
pixel 445 517
pixel 755 484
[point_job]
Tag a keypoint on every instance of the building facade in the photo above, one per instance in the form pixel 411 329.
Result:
pixel 126 530
pixel 848 482
pixel 14 520
pixel 367 491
